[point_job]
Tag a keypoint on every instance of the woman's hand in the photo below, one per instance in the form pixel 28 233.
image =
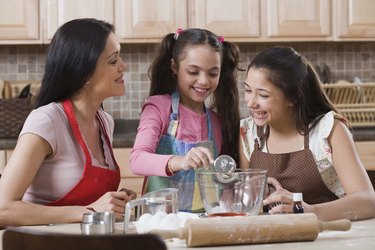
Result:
pixel 113 202
pixel 131 194
pixel 197 157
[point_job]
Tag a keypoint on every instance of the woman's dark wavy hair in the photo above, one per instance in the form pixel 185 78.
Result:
pixel 225 98
pixel 71 58
pixel 295 76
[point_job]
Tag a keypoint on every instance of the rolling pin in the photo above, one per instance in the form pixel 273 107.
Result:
pixel 215 231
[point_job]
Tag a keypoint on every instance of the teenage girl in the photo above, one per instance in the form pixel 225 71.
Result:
pixel 295 133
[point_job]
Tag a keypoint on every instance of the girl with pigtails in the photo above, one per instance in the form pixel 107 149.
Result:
pixel 191 115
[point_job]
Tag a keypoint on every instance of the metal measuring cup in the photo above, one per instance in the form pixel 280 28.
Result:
pixel 225 167
pixel 98 223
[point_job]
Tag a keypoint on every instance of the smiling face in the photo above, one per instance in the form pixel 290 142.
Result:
pixel 107 80
pixel 198 75
pixel 267 103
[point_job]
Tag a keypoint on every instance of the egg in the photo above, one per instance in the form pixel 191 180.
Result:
pixel 154 222
pixel 170 222
pixel 142 223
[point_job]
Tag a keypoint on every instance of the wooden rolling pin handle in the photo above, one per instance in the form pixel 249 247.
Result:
pixel 336 225
pixel 180 233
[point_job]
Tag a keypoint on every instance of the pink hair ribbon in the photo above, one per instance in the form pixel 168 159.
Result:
pixel 177 34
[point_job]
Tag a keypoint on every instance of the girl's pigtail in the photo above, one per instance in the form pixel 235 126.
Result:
pixel 160 72
pixel 226 100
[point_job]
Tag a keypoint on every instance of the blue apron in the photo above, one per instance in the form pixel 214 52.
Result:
pixel 184 180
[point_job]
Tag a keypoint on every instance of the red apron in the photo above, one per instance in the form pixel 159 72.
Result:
pixel 95 181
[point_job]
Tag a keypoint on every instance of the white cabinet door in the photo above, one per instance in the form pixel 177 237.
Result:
pixel 298 18
pixel 355 19
pixel 148 21
pixel 237 19
pixel 58 12
pixel 19 21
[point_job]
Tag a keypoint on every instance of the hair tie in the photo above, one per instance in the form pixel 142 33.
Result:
pixel 220 39
pixel 177 34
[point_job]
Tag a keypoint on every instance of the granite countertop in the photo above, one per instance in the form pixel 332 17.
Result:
pixel 126 129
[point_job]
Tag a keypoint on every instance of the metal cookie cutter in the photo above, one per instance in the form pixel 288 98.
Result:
pixel 161 200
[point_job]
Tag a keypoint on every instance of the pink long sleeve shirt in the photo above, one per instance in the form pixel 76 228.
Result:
pixel 154 122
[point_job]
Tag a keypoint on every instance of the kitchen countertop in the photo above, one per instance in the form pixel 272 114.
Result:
pixel 360 236
pixel 126 130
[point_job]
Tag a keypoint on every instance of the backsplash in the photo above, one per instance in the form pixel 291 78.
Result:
pixel 346 60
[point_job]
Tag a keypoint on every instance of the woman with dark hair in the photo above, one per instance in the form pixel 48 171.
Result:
pixel 295 133
pixel 63 164
pixel 177 132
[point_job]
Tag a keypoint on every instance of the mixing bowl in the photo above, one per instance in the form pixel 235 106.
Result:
pixel 239 193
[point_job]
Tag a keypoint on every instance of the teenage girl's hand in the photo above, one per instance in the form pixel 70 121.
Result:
pixel 197 157
pixel 112 202
pixel 272 186
pixel 281 201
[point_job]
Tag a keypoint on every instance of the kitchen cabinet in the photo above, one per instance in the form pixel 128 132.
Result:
pixel 355 19
pixel 308 19
pixel 58 12
pixel 2 161
pixel 128 179
pixel 366 151
pixel 4 158
pixel 236 20
pixel 148 21
pixel 36 21
pixel 19 22
pixel 144 21
pixel 255 20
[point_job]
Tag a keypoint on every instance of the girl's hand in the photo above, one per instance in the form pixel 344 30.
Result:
pixel 272 186
pixel 197 157
pixel 113 202
pixel 281 201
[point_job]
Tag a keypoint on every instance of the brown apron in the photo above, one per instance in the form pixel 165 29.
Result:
pixel 296 171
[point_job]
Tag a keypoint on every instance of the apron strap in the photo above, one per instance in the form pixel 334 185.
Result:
pixel 260 137
pixel 306 141
pixel 67 104
pixel 103 129
pixel 173 118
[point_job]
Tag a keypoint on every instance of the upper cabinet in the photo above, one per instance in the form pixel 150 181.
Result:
pixel 58 12
pixel 297 19
pixel 355 19
pixel 19 21
pixel 148 21
pixel 236 19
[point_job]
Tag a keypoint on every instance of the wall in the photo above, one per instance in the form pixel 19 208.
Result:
pixel 346 61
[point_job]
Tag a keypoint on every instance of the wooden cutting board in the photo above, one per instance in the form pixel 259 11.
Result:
pixel 252 229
